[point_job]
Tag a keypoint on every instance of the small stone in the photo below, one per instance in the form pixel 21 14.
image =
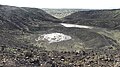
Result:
pixel 62 59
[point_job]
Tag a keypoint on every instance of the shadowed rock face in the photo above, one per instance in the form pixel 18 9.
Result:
pixel 20 17
pixel 99 18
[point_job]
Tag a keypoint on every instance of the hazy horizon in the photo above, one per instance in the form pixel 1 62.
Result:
pixel 64 4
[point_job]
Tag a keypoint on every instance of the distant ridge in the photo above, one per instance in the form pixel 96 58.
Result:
pixel 108 18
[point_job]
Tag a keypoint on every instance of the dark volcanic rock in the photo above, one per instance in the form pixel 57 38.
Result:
pixel 49 44
pixel 20 17
pixel 99 18
pixel 40 24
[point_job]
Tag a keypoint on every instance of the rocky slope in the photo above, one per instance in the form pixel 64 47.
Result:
pixel 20 17
pixel 98 18
pixel 38 28
pixel 31 37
